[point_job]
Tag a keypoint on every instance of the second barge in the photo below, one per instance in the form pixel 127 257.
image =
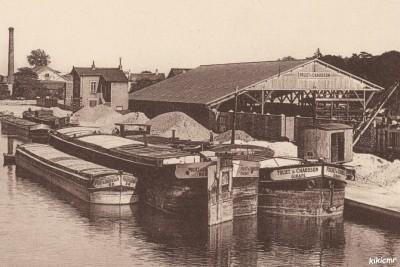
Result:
pixel 24 129
pixel 90 182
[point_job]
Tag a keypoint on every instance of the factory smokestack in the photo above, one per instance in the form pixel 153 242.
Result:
pixel 10 76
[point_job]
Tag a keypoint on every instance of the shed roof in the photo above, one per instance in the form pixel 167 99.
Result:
pixel 109 74
pixel 207 83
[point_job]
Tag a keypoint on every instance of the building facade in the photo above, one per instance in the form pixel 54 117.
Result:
pixel 54 81
pixel 94 86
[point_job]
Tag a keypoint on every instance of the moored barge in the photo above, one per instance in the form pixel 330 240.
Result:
pixel 155 166
pixel 24 129
pixel 45 117
pixel 295 187
pixel 89 182
pixel 171 180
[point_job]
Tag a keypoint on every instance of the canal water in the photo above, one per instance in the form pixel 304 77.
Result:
pixel 40 226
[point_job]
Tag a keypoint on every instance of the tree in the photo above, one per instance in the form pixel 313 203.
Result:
pixel 288 58
pixel 26 84
pixel 38 58
pixel 142 83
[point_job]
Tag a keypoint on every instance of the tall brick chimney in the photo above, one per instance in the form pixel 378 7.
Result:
pixel 10 76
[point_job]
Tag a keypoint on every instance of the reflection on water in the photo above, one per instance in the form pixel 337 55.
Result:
pixel 43 226
pixel 302 241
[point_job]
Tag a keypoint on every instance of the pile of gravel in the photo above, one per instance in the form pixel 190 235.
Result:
pixel 98 116
pixel 185 127
pixel 132 117
pixel 239 135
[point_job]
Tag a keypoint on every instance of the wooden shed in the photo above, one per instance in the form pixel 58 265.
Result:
pixel 331 141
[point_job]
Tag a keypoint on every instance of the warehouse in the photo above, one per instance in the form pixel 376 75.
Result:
pixel 308 88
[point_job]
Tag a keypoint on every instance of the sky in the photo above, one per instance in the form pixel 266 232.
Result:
pixel 151 35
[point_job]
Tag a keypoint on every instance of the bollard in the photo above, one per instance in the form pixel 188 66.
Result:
pixel 9 157
pixel 10 144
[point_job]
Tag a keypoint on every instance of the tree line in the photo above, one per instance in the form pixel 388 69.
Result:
pixel 383 70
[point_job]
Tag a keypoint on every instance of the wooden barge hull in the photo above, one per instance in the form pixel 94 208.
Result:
pixel 72 182
pixel 319 195
pixel 24 129
pixel 158 186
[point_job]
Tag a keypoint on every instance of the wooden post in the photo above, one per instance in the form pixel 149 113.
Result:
pixel 262 101
pixel 234 118
pixel 10 144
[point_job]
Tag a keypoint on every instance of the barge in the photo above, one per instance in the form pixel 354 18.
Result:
pixel 24 129
pixel 171 180
pixel 155 166
pixel 45 117
pixel 297 187
pixel 89 182
pixel 291 186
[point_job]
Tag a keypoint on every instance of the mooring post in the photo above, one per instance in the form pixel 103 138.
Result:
pixel 10 144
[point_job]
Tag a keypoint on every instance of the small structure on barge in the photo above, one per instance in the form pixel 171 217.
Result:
pixel 330 141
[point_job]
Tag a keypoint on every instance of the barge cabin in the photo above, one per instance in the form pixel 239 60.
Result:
pixel 330 141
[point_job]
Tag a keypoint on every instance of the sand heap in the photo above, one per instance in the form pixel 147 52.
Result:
pixel 97 117
pixel 104 117
pixel 60 112
pixel 186 127
pixel 132 117
pixel 281 149
pixel 239 135
pixel 371 168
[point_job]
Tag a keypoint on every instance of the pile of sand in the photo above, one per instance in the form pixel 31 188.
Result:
pixel 371 168
pixel 58 112
pixel 239 135
pixel 281 149
pixel 97 116
pixel 185 127
pixel 132 117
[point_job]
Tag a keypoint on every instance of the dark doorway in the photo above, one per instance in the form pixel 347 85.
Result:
pixel 337 147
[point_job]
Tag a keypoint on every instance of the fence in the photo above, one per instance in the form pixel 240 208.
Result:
pixel 260 126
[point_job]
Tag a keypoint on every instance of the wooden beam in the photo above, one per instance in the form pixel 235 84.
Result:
pixel 370 98
pixel 338 99
pixel 252 98
pixel 262 101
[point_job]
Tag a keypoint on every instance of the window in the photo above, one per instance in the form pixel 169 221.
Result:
pixel 93 87
pixel 92 103
pixel 47 75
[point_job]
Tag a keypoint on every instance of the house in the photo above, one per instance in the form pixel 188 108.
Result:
pixel 138 81
pixel 57 84
pixel 94 86
pixel 176 71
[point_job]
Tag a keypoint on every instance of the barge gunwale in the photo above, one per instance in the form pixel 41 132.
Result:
pixel 121 153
